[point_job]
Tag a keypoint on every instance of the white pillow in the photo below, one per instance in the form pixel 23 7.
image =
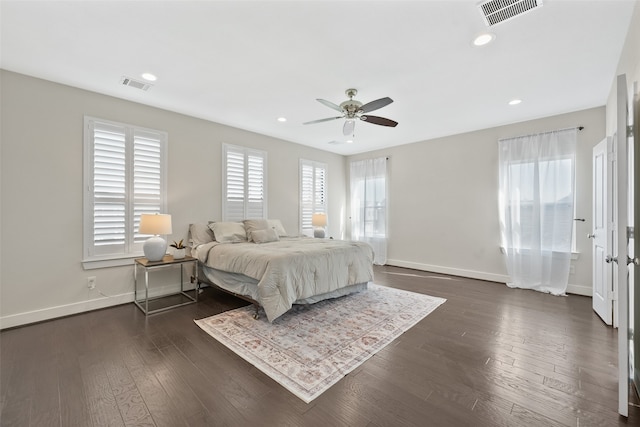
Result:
pixel 265 236
pixel 229 232
pixel 251 225
pixel 200 234
pixel 277 225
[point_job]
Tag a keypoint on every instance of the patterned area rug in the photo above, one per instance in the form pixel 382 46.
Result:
pixel 310 348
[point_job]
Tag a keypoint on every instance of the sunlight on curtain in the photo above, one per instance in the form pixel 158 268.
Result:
pixel 369 205
pixel 537 185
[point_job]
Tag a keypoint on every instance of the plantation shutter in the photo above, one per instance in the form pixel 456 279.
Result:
pixel 313 193
pixel 306 198
pixel 234 200
pixel 244 183
pixel 320 192
pixel 147 178
pixel 255 187
pixel 124 177
pixel 109 189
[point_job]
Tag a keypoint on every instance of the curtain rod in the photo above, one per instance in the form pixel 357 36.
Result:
pixel 579 128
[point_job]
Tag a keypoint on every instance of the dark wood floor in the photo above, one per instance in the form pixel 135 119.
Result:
pixel 490 356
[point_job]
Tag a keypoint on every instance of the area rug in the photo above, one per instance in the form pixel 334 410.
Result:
pixel 311 347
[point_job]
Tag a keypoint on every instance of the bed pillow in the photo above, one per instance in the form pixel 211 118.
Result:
pixel 200 234
pixel 265 236
pixel 277 225
pixel 252 225
pixel 229 232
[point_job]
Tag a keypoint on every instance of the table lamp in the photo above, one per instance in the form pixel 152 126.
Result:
pixel 319 222
pixel 155 247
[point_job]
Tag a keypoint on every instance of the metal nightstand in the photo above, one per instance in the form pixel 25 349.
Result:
pixel 165 302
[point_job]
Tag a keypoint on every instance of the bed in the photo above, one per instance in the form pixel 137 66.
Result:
pixel 256 260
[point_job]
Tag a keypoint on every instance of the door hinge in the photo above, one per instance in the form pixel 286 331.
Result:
pixel 629 131
pixel 614 296
pixel 630 233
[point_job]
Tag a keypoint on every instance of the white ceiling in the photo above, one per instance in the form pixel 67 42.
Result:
pixel 246 63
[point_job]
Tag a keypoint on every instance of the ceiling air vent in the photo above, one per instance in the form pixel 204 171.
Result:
pixel 497 11
pixel 128 81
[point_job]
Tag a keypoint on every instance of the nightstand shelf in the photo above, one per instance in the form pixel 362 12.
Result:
pixel 151 305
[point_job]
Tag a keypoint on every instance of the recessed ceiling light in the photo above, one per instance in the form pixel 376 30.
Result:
pixel 282 119
pixel 484 39
pixel 149 77
pixel 349 141
pixel 515 101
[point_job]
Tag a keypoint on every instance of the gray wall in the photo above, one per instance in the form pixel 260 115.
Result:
pixel 41 274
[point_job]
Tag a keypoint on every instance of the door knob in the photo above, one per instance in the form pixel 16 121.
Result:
pixel 635 260
pixel 591 236
pixel 610 259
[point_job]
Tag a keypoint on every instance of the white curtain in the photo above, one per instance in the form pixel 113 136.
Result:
pixel 369 205
pixel 537 185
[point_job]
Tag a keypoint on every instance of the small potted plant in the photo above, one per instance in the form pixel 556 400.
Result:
pixel 179 251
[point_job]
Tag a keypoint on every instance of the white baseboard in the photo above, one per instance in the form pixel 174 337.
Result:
pixel 49 313
pixel 471 274
pixel 480 275
pixel 586 291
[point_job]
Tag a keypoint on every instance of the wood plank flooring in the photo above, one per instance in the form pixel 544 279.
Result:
pixel 490 356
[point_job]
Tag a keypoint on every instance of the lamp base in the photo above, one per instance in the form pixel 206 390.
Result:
pixel 155 248
pixel 319 233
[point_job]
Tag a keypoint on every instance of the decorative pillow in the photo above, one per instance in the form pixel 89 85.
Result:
pixel 229 232
pixel 277 225
pixel 200 234
pixel 252 225
pixel 265 236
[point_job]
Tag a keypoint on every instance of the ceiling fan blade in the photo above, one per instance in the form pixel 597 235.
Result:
pixel 322 120
pixel 348 127
pixel 329 104
pixel 374 105
pixel 379 121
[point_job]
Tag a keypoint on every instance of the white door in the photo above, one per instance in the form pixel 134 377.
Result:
pixel 622 246
pixel 602 234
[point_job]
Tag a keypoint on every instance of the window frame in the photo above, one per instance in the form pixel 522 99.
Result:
pixel 315 206
pixel 91 257
pixel 246 153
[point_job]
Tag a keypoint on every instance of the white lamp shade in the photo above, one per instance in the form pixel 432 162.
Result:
pixel 155 224
pixel 319 220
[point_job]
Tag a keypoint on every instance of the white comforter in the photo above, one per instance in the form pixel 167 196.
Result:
pixel 292 268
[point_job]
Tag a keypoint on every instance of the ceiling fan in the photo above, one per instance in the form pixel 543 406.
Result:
pixel 353 110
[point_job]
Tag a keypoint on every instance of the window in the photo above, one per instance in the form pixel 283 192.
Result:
pixel 554 195
pixel 244 183
pixel 124 176
pixel 313 193
pixel 369 199
pixel 537 191
pixel 369 195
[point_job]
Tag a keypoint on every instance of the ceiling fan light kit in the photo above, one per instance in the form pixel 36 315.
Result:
pixel 353 110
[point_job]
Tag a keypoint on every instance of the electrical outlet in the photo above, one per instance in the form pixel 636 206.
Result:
pixel 91 282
